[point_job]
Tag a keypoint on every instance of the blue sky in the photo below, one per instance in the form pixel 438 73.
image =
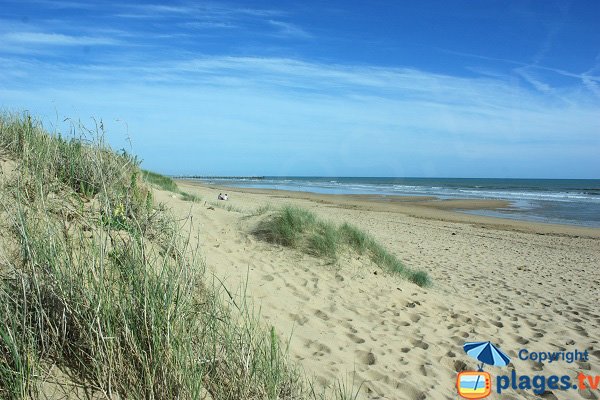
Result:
pixel 326 88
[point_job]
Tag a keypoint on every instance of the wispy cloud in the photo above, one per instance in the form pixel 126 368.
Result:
pixel 65 4
pixel 531 79
pixel 460 97
pixel 482 57
pixel 588 80
pixel 211 19
pixel 233 79
pixel 199 12
pixel 288 29
pixel 209 25
pixel 243 105
pixel 166 9
pixel 53 39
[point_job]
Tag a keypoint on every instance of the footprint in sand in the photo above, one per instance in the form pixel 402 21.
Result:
pixel 415 318
pixel 460 366
pixel 419 343
pixel 320 349
pixel 355 339
pixel 580 330
pixel 458 341
pixel 320 314
pixel 315 282
pixel 497 324
pixel 365 357
pixel 520 339
pixel 299 319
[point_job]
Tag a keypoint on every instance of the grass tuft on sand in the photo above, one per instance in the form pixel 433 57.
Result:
pixel 299 228
pixel 168 184
pixel 99 290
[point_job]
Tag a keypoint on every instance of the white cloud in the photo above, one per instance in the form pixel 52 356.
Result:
pixel 526 71
pixel 53 39
pixel 209 25
pixel 199 12
pixel 60 4
pixel 592 84
pixel 535 82
pixel 290 30
pixel 240 105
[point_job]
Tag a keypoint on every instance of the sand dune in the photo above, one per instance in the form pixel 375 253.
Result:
pixel 518 285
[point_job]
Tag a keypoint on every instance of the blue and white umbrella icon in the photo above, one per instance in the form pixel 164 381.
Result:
pixel 486 353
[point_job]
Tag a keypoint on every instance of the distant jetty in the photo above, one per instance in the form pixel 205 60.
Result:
pixel 217 177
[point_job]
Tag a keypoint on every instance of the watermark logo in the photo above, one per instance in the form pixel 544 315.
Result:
pixel 474 385
pixel 479 384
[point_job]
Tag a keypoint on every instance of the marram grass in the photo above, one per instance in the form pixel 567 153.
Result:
pixel 299 228
pixel 168 184
pixel 100 291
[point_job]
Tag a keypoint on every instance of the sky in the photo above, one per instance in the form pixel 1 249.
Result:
pixel 317 88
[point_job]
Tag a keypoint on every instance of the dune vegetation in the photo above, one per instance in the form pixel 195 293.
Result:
pixel 101 292
pixel 168 184
pixel 299 228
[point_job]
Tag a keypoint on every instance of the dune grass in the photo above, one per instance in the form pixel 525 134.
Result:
pixel 260 210
pixel 104 288
pixel 357 239
pixel 163 182
pixel 324 240
pixel 225 205
pixel 168 184
pixel 190 197
pixel 299 228
pixel 287 226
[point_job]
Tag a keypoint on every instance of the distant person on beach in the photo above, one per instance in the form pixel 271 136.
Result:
pixel 225 197
pixel 220 197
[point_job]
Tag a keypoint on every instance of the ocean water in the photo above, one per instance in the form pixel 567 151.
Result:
pixel 562 201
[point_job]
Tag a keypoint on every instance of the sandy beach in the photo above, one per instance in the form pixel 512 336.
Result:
pixel 413 204
pixel 520 285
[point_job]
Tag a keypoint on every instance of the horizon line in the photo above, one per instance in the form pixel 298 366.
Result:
pixel 347 176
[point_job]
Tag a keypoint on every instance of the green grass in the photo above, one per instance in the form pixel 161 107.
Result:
pixel 299 228
pixel 190 197
pixel 163 182
pixel 357 239
pixel 225 206
pixel 107 291
pixel 168 184
pixel 324 240
pixel 287 226
pixel 260 210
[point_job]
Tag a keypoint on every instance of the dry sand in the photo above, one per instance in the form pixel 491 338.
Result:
pixel 520 285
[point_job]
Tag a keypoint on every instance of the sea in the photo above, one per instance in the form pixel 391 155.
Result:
pixel 558 201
